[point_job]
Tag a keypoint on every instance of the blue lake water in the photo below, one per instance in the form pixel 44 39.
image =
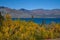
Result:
pixel 39 20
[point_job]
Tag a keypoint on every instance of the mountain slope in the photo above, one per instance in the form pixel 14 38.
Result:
pixel 37 13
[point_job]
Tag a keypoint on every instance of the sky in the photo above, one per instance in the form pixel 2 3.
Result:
pixel 31 4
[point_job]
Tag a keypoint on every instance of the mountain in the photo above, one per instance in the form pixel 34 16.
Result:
pixel 36 13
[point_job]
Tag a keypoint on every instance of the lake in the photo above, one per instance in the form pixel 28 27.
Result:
pixel 39 20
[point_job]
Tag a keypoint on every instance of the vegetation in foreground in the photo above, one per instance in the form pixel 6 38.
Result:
pixel 22 30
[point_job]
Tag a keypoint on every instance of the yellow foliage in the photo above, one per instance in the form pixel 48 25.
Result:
pixel 22 30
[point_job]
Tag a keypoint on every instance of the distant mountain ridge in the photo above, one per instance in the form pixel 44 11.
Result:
pixel 36 13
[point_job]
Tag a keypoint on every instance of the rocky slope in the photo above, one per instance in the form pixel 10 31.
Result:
pixel 36 13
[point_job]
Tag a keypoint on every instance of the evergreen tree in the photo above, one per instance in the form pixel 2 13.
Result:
pixel 32 17
pixel 1 19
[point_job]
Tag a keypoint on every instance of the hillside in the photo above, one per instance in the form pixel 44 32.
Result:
pixel 36 13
